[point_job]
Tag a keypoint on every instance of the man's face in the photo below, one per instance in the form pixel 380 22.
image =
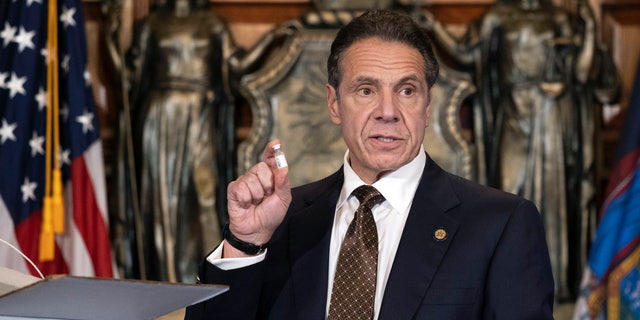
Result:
pixel 383 106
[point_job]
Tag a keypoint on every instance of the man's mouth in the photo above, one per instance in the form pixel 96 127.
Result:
pixel 385 139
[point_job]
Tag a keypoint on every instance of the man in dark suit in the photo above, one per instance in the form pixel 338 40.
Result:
pixel 446 248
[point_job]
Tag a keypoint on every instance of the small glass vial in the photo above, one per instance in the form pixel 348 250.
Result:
pixel 281 161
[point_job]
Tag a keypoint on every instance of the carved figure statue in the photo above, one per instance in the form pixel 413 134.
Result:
pixel 533 63
pixel 181 76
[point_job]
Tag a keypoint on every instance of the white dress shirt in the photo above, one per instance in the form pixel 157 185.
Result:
pixel 398 189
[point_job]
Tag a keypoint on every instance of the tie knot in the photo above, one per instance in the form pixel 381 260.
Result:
pixel 368 196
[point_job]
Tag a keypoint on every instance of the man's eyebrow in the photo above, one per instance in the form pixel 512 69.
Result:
pixel 360 80
pixel 409 78
pixel 365 79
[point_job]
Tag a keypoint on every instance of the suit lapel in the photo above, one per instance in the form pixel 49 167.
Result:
pixel 417 259
pixel 310 236
pixel 420 252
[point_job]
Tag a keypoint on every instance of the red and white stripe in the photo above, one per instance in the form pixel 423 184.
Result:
pixel 84 248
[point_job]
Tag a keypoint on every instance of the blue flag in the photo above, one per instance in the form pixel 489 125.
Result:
pixel 610 286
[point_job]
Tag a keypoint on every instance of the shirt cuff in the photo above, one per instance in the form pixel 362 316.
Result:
pixel 215 258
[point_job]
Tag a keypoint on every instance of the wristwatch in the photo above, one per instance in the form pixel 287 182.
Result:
pixel 246 247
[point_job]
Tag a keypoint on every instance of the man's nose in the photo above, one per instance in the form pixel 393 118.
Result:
pixel 387 108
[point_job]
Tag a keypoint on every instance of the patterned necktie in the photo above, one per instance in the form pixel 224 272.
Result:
pixel 354 284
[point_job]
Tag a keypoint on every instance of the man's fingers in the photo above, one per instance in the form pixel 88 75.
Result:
pixel 262 180
pixel 252 187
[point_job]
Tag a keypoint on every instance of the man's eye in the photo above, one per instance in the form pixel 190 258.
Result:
pixel 407 91
pixel 366 91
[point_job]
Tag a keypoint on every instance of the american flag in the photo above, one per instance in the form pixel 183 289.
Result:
pixel 83 249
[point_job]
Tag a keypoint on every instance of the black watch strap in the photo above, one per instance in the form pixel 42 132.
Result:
pixel 246 247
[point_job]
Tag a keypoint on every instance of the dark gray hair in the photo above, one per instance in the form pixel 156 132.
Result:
pixel 387 25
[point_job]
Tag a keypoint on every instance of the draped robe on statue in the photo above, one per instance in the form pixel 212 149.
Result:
pixel 535 66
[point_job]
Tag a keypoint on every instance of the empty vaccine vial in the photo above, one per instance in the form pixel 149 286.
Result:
pixel 281 161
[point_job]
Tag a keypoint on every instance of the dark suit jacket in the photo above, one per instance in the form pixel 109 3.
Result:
pixel 493 263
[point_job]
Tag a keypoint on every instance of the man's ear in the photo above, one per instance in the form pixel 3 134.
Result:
pixel 428 115
pixel 332 104
pixel 428 111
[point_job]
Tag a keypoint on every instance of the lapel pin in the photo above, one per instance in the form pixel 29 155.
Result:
pixel 440 234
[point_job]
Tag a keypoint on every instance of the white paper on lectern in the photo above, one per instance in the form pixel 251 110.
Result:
pixel 11 280
pixel 68 297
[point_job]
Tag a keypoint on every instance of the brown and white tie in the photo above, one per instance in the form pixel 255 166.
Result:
pixel 354 285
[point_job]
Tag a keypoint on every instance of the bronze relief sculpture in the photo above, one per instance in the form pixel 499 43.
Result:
pixel 535 65
pixel 180 78
pixel 288 101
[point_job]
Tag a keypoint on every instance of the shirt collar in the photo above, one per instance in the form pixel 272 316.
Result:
pixel 398 187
